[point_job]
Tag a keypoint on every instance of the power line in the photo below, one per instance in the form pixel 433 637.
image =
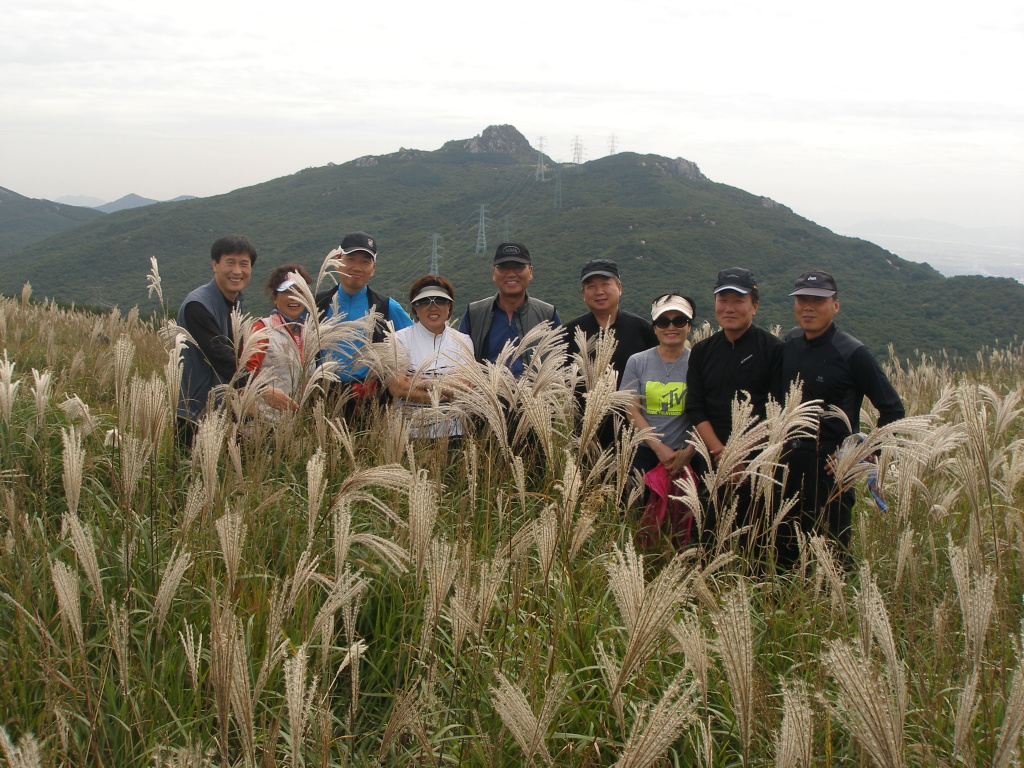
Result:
pixel 539 174
pixel 481 230
pixel 558 186
pixel 434 257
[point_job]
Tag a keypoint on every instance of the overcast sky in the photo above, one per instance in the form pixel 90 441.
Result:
pixel 876 109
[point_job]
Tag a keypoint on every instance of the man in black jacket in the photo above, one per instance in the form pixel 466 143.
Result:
pixel 739 358
pixel 837 369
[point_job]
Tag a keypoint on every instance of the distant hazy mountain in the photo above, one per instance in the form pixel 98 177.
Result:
pixel 668 226
pixel 24 220
pixel 80 200
pixel 124 203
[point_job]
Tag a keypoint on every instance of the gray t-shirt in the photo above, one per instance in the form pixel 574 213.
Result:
pixel 662 390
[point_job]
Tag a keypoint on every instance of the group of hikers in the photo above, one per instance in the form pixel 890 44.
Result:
pixel 684 396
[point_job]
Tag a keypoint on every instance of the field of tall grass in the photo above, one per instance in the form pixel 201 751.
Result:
pixel 326 594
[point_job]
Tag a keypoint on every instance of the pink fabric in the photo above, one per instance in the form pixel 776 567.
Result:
pixel 661 509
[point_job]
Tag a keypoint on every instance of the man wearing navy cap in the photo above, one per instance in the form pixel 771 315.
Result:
pixel 511 313
pixel 741 357
pixel 837 369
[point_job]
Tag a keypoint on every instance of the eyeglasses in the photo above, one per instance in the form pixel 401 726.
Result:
pixel 510 266
pixel 437 301
pixel 679 321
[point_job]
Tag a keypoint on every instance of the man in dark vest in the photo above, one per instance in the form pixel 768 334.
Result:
pixel 601 289
pixel 511 313
pixel 206 315
pixel 355 262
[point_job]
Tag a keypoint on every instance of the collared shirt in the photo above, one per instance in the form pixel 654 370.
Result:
pixel 719 369
pixel 353 307
pixel 503 329
pixel 839 370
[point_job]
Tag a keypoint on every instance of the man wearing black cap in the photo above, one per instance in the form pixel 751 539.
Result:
pixel 355 262
pixel 511 313
pixel 837 369
pixel 740 357
pixel 601 289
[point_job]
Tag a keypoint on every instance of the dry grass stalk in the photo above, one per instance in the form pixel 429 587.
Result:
pixel 794 739
pixel 694 646
pixel 736 646
pixel 904 554
pixel 405 716
pixel 316 485
pixel 124 356
pixel 874 616
pixel 74 461
pixel 194 500
pixel 529 729
pixel 231 530
pixel 209 441
pixel 229 677
pixel 864 707
pixel 422 516
pixel 134 453
pixel 173 573
pixel 977 600
pixel 828 571
pixel 344 539
pixel 966 709
pixel 153 282
pixel 68 590
pixel 655 729
pixel 85 550
pixel 147 403
pixel 545 537
pixel 24 754
pixel 442 567
pixel 77 411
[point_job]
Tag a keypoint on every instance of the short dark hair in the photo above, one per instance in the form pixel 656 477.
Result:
pixel 229 244
pixel 431 280
pixel 280 275
pixel 755 296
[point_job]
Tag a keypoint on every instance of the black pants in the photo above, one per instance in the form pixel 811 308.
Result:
pixel 821 508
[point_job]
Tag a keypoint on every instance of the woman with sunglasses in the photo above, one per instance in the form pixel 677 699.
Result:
pixel 658 378
pixel 434 350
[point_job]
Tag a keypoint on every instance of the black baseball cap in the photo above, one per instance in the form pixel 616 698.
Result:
pixel 516 252
pixel 736 279
pixel 815 283
pixel 599 267
pixel 359 241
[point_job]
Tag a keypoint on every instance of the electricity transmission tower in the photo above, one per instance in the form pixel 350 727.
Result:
pixel 611 144
pixel 481 230
pixel 506 220
pixel 539 175
pixel 435 258
pixel 577 151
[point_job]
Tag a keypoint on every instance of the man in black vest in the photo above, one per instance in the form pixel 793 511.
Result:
pixel 355 262
pixel 837 369
pixel 511 313
pixel 601 288
pixel 206 315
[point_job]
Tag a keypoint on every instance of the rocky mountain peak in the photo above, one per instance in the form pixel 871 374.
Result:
pixel 494 138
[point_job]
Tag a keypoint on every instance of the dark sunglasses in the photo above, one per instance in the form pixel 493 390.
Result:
pixel 680 321
pixel 437 301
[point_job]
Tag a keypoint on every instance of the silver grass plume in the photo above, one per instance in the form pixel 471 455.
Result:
pixel 875 618
pixel 654 730
pixel 231 529
pixel 545 537
pixel 26 294
pixel 344 539
pixel 147 400
pixel 124 356
pixel 299 700
pixel 78 412
pixel 74 462
pixel 8 389
pixel 192 642
pixel 966 708
pixel 154 285
pixel 41 394
pixel 828 571
pixel 736 647
pixel 976 600
pixel 405 715
pixel 492 575
pixel 229 677
pixel 529 729
pixel 460 605
pixel 68 590
pixel 195 497
pixel 794 739
pixel 174 366
pixel 85 550
pixel 863 706
pixel 209 443
pixel 422 515
pixel 1013 716
pixel 694 646
pixel 342 436
pixel 24 754
pixel 316 485
pixel 904 554
pixel 442 567
pixel 134 453
pixel 119 623
pixel 173 573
